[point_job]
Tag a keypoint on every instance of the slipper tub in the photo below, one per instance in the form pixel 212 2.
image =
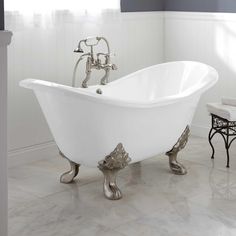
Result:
pixel 144 112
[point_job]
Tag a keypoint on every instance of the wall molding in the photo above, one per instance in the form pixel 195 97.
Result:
pixel 201 5
pixel 144 15
pixel 32 153
pixel 206 16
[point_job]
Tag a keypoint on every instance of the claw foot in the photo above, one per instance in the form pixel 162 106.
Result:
pixel 69 176
pixel 110 188
pixel 175 166
pixel 117 160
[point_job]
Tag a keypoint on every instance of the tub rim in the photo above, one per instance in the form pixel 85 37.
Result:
pixel 90 95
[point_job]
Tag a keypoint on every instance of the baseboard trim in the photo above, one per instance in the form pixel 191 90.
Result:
pixel 32 153
pixel 199 131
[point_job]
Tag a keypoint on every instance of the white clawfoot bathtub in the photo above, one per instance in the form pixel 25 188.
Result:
pixel 146 111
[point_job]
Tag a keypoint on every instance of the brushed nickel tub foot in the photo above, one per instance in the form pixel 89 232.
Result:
pixel 175 166
pixel 69 176
pixel 115 161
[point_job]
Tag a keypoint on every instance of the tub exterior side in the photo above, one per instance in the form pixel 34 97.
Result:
pixel 86 132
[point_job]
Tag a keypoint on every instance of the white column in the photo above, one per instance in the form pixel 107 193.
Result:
pixel 5 39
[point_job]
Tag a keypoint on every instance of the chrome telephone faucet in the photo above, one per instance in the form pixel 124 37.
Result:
pixel 92 62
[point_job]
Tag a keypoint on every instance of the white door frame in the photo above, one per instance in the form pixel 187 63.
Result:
pixel 5 39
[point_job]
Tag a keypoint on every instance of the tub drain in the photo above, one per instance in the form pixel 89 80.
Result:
pixel 99 91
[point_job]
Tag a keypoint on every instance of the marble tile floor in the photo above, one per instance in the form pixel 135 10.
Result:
pixel 155 201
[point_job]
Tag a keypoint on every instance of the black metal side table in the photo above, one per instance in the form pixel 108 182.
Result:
pixel 224 127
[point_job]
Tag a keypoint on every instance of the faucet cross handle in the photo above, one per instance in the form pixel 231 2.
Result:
pixel 109 66
pixel 106 54
pixel 114 67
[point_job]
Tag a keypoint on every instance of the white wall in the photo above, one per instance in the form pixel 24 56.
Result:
pixel 42 48
pixel 209 38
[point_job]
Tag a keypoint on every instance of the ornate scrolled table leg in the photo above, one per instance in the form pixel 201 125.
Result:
pixel 115 161
pixel 175 166
pixel 69 176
